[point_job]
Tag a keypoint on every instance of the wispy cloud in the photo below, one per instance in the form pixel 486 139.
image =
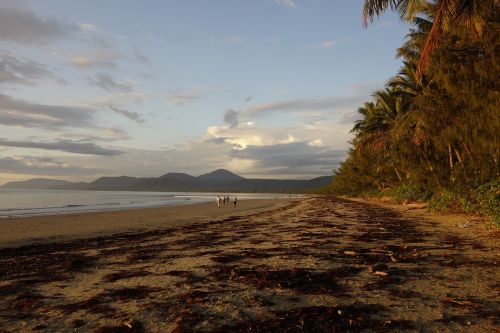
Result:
pixel 18 70
pixel 182 97
pixel 104 135
pixel 45 166
pixel 296 159
pixel 327 44
pixel 236 40
pixel 69 146
pixel 21 25
pixel 87 27
pixel 108 83
pixel 302 105
pixel 15 112
pixel 287 3
pixel 132 115
pixel 97 58
pixel 140 56
pixel 118 101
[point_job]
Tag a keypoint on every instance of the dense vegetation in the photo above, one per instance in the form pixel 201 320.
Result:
pixel 433 132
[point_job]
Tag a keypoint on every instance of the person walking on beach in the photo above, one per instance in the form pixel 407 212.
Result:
pixel 235 202
pixel 218 201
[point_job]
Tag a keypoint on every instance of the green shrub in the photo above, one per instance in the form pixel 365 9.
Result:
pixel 487 197
pixel 410 193
pixel 445 201
pixel 371 193
pixel 484 200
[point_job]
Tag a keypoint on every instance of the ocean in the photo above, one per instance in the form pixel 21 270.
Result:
pixel 17 203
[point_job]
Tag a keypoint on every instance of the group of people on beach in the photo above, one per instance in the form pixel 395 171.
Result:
pixel 225 199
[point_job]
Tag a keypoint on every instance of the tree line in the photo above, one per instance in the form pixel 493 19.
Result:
pixel 433 132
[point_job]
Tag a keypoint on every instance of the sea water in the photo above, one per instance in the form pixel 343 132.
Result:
pixel 40 202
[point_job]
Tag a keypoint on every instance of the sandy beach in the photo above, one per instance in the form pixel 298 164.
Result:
pixel 50 228
pixel 313 265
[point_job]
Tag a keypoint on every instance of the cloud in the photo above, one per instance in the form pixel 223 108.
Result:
pixel 135 116
pixel 15 112
pixel 246 134
pixel 115 102
pixel 236 40
pixel 18 70
pixel 321 119
pixel 179 97
pixel 295 158
pixel 140 56
pixel 366 88
pixel 231 118
pixel 302 105
pixel 194 157
pixel 46 166
pixel 106 82
pixel 350 118
pixel 87 27
pixel 104 135
pixel 292 4
pixel 96 59
pixel 316 133
pixel 327 44
pixel 20 25
pixel 69 146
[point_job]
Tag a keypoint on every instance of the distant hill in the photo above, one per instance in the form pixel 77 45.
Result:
pixel 221 174
pixel 216 181
pixel 37 183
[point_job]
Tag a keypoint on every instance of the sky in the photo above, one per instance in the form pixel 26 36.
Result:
pixel 264 88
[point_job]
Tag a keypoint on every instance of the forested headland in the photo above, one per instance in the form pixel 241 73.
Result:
pixel 433 132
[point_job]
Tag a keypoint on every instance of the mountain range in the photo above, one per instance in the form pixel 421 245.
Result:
pixel 216 181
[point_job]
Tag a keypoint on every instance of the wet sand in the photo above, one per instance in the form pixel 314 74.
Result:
pixel 316 265
pixel 50 228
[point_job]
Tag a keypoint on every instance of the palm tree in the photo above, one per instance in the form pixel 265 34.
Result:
pixel 367 111
pixel 379 118
pixel 445 13
pixel 406 84
pixel 415 40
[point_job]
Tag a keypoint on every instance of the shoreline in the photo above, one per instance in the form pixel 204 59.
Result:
pixel 26 230
pixel 51 202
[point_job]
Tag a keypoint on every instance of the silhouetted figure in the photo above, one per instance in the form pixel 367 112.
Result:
pixel 235 202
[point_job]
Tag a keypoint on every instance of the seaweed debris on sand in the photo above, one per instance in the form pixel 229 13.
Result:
pixel 316 265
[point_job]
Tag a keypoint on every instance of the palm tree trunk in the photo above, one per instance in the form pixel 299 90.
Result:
pixel 450 156
pixel 458 155
pixel 432 39
pixel 397 173
pixel 429 165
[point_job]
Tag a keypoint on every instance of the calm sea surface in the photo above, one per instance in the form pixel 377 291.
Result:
pixel 40 202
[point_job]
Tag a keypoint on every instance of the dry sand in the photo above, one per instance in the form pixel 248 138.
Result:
pixel 316 265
